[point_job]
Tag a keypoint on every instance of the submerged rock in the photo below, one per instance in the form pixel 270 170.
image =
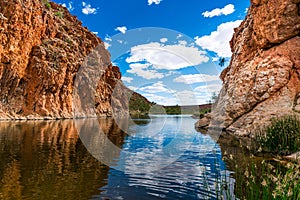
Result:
pixel 263 78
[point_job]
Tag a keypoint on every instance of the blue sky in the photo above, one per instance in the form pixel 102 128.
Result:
pixel 167 50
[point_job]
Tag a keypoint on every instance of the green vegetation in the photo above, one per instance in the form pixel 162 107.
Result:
pixel 47 4
pixel 59 14
pixel 253 178
pixel 281 137
pixel 138 105
pixel 69 41
pixel 267 180
pixel 196 110
pixel 222 61
pixel 258 177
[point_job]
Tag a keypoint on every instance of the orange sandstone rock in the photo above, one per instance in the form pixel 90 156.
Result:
pixel 263 78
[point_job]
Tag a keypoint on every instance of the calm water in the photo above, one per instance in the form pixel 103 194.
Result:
pixel 158 158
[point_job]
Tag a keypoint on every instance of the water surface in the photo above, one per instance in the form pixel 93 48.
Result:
pixel 162 157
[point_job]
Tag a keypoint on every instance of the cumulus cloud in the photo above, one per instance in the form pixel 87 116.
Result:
pixel 228 9
pixel 218 41
pixel 163 40
pixel 210 88
pixel 70 6
pixel 156 88
pixel 142 70
pixel 107 38
pixel 87 9
pixel 184 97
pixel 168 57
pixel 133 88
pixel 162 100
pixel 127 79
pixel 179 36
pixel 196 78
pixel 150 2
pixel 107 45
pixel 122 29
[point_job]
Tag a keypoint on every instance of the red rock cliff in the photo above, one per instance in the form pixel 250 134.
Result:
pixel 42 48
pixel 263 78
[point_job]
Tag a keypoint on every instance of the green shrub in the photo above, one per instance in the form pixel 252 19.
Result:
pixel 59 14
pixel 281 137
pixel 47 4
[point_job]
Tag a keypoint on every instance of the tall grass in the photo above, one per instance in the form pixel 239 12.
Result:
pixel 257 178
pixel 281 137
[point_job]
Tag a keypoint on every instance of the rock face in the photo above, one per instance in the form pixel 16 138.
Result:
pixel 42 48
pixel 263 78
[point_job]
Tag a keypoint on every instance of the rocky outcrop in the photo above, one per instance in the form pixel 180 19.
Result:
pixel 42 48
pixel 263 78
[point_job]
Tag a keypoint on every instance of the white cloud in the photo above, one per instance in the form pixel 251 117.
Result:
pixel 187 97
pixel 143 71
pixel 150 2
pixel 218 41
pixel 127 79
pixel 182 42
pixel 215 59
pixel 163 40
pixel 210 88
pixel 122 29
pixel 157 88
pixel 179 36
pixel 69 6
pixel 133 88
pixel 196 78
pixel 95 32
pixel 228 9
pixel 87 9
pixel 162 100
pixel 168 57
pixel 107 45
pixel 184 97
pixel 107 38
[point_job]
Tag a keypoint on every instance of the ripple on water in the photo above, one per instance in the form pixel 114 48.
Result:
pixel 194 172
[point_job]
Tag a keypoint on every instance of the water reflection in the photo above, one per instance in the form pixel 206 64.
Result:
pixel 162 157
pixel 175 163
pixel 47 160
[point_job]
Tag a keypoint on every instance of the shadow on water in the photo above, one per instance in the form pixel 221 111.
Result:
pixel 47 160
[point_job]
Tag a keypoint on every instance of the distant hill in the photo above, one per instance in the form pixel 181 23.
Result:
pixel 139 105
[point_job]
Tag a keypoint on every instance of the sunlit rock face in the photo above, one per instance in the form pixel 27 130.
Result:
pixel 42 48
pixel 262 80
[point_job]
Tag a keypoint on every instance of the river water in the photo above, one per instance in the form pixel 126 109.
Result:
pixel 162 157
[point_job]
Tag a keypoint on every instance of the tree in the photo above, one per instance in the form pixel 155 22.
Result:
pixel 222 61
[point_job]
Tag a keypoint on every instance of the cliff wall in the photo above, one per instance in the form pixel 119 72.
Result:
pixel 42 48
pixel 263 78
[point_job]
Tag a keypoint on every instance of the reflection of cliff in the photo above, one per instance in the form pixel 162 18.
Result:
pixel 101 137
pixel 47 160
